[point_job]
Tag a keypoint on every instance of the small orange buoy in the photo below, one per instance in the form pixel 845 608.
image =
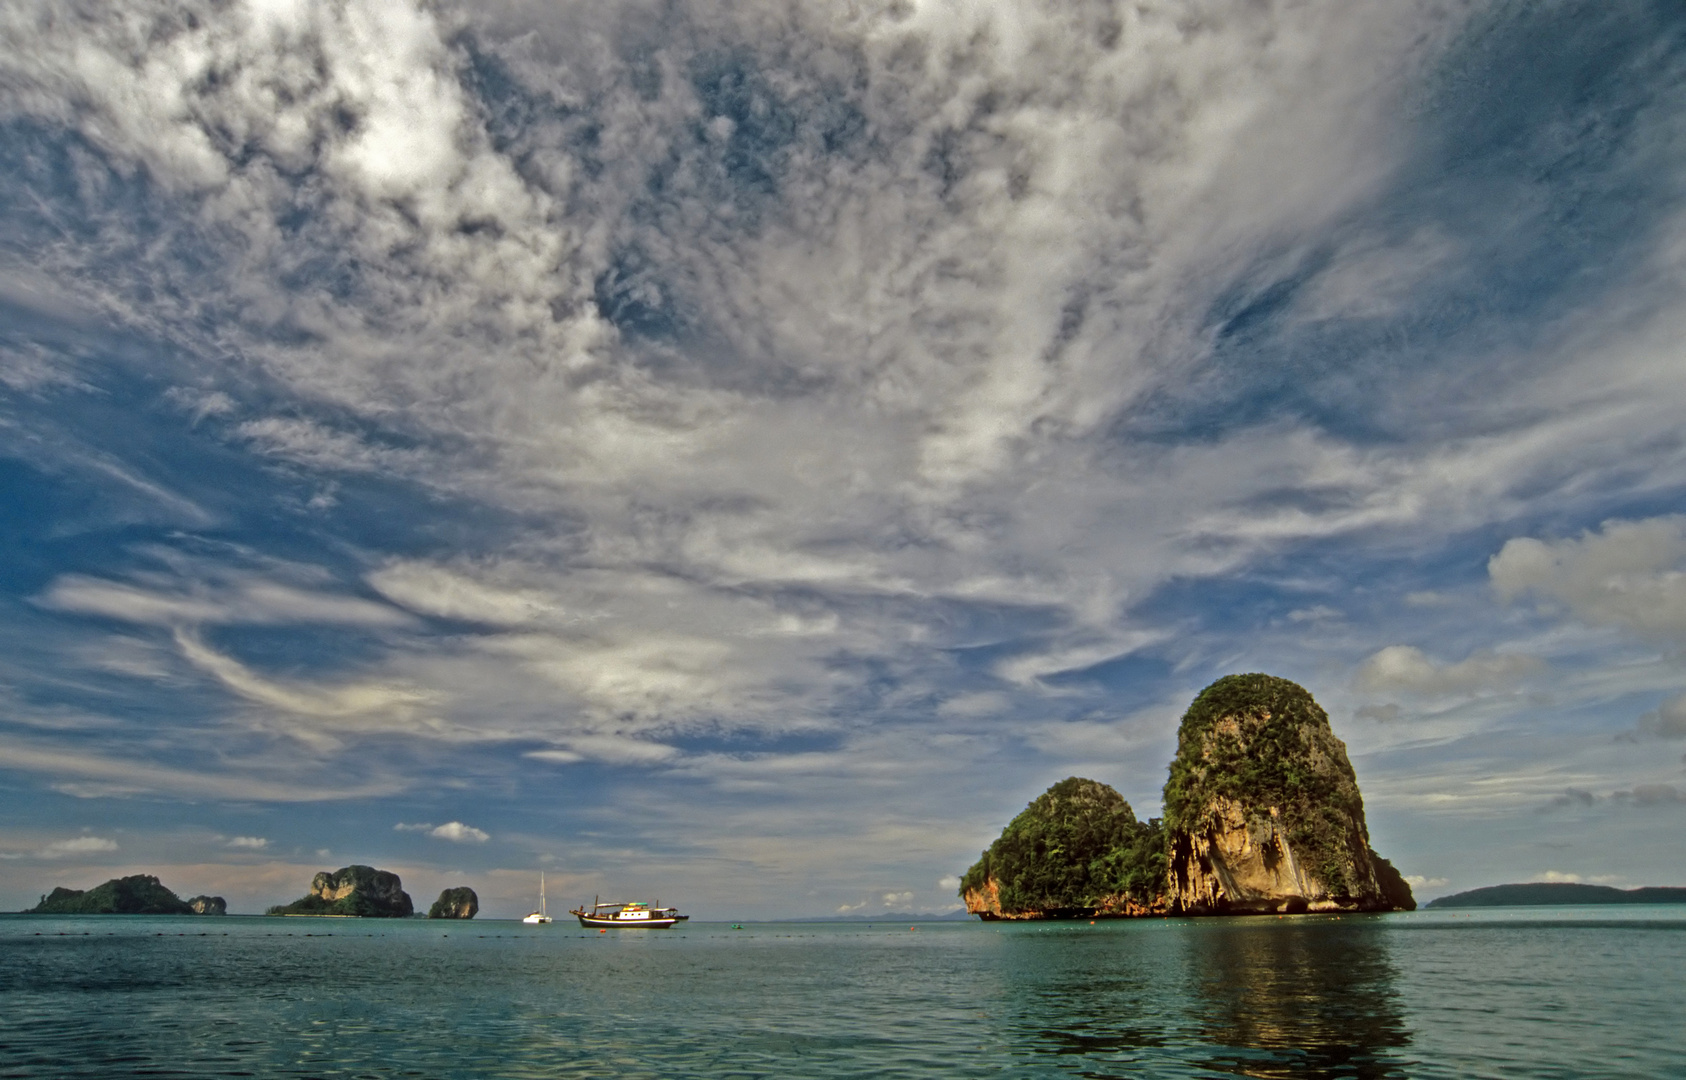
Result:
pixel 602 931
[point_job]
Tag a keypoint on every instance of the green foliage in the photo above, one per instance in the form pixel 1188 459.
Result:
pixel 141 894
pixel 1077 844
pixel 1395 888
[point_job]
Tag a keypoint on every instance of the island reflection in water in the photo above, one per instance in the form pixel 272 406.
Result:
pixel 1308 998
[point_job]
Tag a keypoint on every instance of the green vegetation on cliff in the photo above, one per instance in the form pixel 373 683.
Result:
pixel 1262 814
pixel 141 894
pixel 1263 741
pixel 1078 846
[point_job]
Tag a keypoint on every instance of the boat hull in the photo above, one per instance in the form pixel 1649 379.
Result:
pixel 609 922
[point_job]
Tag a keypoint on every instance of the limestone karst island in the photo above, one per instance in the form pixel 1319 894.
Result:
pixel 1262 814
pixel 351 891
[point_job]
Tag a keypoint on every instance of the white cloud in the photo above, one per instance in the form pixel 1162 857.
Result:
pixel 1666 721
pixel 248 843
pixel 237 602
pixel 1407 669
pixel 458 833
pixel 610 748
pixel 358 706
pixel 459 593
pixel 91 775
pixel 1628 574
pixel 1561 877
pixel 1417 881
pixel 309 443
pixel 81 845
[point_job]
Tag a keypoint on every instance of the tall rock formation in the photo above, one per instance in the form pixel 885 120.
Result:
pixel 1262 811
pixel 208 905
pixel 457 903
pixel 353 890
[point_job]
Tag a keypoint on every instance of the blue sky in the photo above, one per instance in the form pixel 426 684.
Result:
pixel 738 455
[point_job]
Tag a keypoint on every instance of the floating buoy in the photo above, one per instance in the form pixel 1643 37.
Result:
pixel 602 931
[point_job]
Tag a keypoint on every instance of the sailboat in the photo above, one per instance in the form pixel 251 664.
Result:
pixel 539 916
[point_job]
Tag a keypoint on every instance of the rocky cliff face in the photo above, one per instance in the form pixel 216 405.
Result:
pixel 457 903
pixel 352 890
pixel 208 905
pixel 1262 809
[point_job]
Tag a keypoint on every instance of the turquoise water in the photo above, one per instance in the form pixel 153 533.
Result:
pixel 1534 992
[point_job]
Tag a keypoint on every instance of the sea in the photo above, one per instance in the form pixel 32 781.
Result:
pixel 1507 992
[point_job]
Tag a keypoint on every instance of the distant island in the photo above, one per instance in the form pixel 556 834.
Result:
pixel 139 894
pixel 1262 814
pixel 457 903
pixel 1539 893
pixel 352 890
pixel 355 890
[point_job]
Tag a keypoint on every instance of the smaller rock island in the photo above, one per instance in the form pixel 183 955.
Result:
pixel 457 903
pixel 352 890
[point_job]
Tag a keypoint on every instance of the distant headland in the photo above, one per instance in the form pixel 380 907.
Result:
pixel 1262 814
pixel 139 894
pixel 1539 893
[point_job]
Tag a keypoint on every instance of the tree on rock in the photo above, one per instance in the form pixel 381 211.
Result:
pixel 1078 849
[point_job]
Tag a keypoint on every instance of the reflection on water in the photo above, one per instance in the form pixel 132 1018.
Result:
pixel 1482 996
pixel 1301 998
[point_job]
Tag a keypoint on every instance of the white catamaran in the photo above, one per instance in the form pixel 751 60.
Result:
pixel 539 916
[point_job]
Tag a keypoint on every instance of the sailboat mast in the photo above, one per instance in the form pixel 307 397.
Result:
pixel 542 909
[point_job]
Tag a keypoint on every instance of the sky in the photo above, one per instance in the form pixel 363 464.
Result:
pixel 739 454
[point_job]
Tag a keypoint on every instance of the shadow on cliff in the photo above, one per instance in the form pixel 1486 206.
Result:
pixel 1294 999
